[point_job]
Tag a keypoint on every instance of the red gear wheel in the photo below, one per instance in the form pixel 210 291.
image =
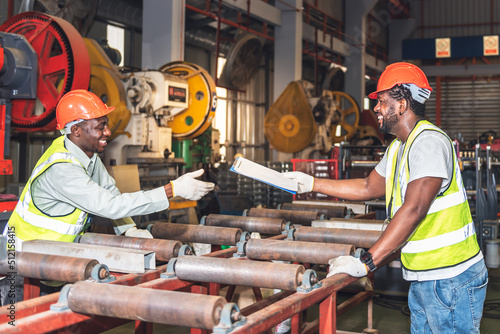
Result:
pixel 63 65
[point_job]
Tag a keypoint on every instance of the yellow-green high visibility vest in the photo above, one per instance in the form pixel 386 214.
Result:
pixel 446 236
pixel 29 222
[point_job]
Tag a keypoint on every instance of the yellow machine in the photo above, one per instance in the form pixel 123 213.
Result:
pixel 299 122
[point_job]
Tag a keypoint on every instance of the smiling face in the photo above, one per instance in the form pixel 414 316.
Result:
pixel 386 111
pixel 92 135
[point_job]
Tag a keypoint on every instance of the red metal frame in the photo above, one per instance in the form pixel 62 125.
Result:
pixel 34 315
pixel 5 165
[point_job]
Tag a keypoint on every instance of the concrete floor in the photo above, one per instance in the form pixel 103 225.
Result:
pixel 390 319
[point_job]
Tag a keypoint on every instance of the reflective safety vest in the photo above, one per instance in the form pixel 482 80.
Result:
pixel 31 223
pixel 446 236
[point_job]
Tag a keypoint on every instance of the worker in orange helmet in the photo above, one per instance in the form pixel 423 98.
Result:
pixel 70 184
pixel 427 210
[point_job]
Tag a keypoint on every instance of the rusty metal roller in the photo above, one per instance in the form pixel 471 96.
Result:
pixel 295 251
pixel 239 272
pixel 296 217
pixel 250 224
pixel 51 267
pixel 164 249
pixel 150 305
pixel 358 238
pixel 195 233
pixel 328 211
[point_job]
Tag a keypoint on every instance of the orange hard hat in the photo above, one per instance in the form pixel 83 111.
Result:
pixel 80 104
pixel 400 73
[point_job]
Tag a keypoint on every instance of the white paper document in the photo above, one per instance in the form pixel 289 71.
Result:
pixel 263 174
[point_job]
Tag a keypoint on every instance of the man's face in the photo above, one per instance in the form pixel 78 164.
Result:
pixel 386 112
pixel 94 135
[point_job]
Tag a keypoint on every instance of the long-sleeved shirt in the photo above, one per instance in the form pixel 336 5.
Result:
pixel 65 186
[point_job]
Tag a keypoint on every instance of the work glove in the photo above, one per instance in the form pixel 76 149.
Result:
pixel 347 264
pixel 138 233
pixel 306 182
pixel 187 187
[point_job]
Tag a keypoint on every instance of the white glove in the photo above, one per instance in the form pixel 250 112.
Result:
pixel 306 182
pixel 137 233
pixel 347 264
pixel 187 187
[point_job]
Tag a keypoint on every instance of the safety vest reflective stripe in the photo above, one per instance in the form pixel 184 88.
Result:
pixel 29 217
pixel 52 158
pixel 440 241
pixel 51 224
pixel 445 202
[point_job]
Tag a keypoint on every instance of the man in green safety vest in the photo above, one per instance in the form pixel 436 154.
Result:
pixel 70 184
pixel 427 209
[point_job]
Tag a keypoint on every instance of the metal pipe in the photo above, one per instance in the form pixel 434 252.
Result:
pixel 250 224
pixel 296 217
pixel 362 164
pixel 164 249
pixel 50 267
pixel 358 238
pixel 234 272
pixel 150 305
pixel 196 233
pixel 328 211
pixel 295 251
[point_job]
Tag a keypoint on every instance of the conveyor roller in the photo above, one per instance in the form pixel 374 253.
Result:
pixel 51 267
pixel 295 251
pixel 262 225
pixel 196 233
pixel 164 249
pixel 328 211
pixel 358 238
pixel 151 305
pixel 296 217
pixel 239 272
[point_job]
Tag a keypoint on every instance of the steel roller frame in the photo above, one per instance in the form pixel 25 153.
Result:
pixel 34 315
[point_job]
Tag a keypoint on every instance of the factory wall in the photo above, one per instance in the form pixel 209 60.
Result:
pixel 468 108
pixel 449 18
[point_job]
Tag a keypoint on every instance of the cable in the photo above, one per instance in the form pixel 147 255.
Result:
pixel 393 304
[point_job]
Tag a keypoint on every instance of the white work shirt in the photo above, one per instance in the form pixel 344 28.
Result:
pixel 64 186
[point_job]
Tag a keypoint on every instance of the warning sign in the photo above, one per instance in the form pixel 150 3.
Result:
pixel 490 45
pixel 443 48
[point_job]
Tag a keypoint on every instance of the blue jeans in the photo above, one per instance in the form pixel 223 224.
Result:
pixel 453 305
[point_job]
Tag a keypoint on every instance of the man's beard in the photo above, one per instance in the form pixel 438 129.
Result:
pixel 389 121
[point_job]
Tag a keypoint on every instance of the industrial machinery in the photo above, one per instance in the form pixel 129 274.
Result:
pixel 301 123
pixel 156 112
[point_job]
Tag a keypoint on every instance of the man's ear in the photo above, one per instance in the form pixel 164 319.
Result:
pixel 76 130
pixel 403 105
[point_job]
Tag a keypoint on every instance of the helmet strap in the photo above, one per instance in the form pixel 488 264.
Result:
pixel 67 128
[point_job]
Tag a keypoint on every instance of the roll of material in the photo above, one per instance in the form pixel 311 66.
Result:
pixel 150 305
pixel 48 267
pixel 164 249
pixel 196 233
pixel 295 251
pixel 262 225
pixel 238 272
pixel 296 217
pixel 358 238
pixel 328 211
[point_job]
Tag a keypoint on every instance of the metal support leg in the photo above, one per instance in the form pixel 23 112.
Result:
pixel 31 288
pixel 142 327
pixel 327 315
pixel 204 291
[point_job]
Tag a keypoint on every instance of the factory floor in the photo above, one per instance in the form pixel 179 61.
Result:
pixel 390 314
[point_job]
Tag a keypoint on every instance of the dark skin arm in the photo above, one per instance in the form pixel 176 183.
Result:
pixel 419 196
pixel 368 188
